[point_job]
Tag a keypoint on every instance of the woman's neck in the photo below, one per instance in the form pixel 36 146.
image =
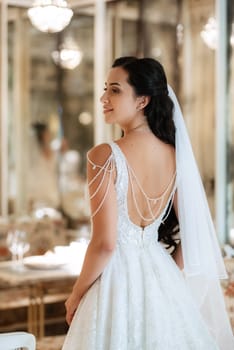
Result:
pixel 140 127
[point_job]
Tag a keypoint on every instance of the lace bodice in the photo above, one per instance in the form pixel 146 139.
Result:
pixel 129 232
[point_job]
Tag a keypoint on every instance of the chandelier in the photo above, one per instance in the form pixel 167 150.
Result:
pixel 209 34
pixel 50 16
pixel 68 56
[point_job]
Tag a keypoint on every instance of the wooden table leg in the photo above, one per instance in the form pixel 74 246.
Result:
pixel 41 312
pixel 36 312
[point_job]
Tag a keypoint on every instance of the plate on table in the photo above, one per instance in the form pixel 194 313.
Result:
pixel 44 262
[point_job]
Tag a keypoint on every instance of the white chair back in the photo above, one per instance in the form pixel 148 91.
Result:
pixel 15 340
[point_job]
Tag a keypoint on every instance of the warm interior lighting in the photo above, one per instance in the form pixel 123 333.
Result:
pixel 50 15
pixel 69 55
pixel 209 34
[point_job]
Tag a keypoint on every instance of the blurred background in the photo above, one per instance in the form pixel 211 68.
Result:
pixel 52 73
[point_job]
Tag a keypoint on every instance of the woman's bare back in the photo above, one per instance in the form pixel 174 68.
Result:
pixel 151 165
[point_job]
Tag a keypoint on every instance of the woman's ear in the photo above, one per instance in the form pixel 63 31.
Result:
pixel 143 101
pixel 147 100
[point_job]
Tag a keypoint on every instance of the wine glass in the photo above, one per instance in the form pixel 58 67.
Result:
pixel 17 242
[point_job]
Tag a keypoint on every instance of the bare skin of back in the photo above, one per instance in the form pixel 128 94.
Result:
pixel 153 163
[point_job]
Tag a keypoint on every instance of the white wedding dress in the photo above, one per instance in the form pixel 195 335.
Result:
pixel 141 300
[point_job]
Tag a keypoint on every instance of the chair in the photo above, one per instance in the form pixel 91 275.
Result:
pixel 15 340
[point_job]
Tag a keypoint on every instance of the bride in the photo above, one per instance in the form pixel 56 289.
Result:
pixel 141 287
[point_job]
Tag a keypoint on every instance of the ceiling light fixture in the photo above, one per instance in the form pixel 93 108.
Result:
pixel 209 34
pixel 50 16
pixel 69 55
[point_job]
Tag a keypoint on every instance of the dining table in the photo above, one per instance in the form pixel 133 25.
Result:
pixel 40 280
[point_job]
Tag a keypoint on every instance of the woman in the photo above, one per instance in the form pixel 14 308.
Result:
pixel 43 173
pixel 131 293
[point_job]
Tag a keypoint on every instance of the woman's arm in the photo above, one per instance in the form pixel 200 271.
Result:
pixel 177 255
pixel 104 225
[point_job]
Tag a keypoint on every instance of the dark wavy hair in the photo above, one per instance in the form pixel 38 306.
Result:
pixel 147 77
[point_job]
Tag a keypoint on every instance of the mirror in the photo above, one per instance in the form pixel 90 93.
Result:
pixel 50 115
pixel 40 92
pixel 43 95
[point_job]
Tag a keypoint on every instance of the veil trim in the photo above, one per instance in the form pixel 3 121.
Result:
pixel 203 262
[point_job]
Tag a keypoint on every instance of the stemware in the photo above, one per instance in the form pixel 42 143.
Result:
pixel 18 245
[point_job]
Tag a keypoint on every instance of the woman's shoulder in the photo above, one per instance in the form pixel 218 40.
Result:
pixel 99 153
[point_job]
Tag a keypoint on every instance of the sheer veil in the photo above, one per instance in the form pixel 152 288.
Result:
pixel 203 262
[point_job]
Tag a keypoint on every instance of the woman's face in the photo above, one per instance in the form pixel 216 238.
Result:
pixel 120 104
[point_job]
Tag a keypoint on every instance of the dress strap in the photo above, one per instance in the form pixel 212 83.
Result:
pixel 121 167
pixel 166 211
pixel 102 180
